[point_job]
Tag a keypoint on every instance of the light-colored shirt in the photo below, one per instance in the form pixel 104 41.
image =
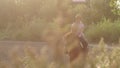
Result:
pixel 77 28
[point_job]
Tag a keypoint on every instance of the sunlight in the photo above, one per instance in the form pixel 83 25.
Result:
pixel 118 4
pixel 59 34
pixel 79 0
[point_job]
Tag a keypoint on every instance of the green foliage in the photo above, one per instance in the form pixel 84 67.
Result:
pixel 25 11
pixel 30 20
pixel 110 31
pixel 95 11
pixel 15 14
pixel 115 4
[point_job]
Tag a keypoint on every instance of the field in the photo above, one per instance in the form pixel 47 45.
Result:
pixel 37 55
pixel 32 32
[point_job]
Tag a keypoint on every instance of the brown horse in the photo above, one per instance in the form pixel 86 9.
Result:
pixel 74 47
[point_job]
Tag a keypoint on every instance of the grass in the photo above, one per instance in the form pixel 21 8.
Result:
pixel 97 58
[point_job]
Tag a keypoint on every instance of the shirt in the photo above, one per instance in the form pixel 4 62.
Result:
pixel 77 28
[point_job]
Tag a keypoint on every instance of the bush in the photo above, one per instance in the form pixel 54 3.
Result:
pixel 110 31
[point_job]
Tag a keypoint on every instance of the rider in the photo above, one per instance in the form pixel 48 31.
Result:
pixel 77 29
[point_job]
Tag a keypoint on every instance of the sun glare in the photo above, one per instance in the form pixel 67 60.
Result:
pixel 118 4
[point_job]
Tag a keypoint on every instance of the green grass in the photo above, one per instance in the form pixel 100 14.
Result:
pixel 110 31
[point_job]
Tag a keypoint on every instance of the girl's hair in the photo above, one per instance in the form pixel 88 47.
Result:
pixel 77 17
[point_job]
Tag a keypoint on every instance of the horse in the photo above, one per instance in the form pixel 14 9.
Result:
pixel 75 47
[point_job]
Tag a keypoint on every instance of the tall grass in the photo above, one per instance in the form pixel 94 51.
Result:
pixel 98 57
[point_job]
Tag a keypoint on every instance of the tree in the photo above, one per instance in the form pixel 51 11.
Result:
pixel 115 4
pixel 97 10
